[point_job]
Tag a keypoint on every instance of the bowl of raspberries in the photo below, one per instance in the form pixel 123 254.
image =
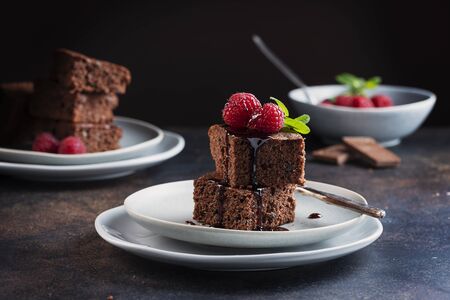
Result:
pixel 364 107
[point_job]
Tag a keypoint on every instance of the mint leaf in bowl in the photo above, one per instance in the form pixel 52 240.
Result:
pixel 357 85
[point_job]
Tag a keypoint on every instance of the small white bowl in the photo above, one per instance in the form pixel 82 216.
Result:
pixel 388 125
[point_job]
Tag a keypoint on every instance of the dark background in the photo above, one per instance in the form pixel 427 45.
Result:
pixel 187 58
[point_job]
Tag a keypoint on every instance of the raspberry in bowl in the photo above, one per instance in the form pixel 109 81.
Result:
pixel 394 113
pixel 355 95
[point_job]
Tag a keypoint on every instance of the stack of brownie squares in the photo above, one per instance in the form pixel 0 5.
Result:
pixel 78 100
pixel 253 185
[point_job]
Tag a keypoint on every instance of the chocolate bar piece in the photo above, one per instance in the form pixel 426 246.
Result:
pixel 245 159
pixel 96 137
pixel 219 205
pixel 376 155
pixel 336 154
pixel 80 73
pixel 52 101
pixel 14 100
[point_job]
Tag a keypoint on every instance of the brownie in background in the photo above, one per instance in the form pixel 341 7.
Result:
pixel 14 100
pixel 77 100
pixel 80 73
pixel 52 101
pixel 96 137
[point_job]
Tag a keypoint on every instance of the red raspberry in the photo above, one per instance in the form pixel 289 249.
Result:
pixel 72 145
pixel 344 100
pixel 239 109
pixel 362 102
pixel 326 102
pixel 267 119
pixel 381 101
pixel 45 142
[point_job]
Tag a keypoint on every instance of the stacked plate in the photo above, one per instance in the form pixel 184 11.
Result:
pixel 156 223
pixel 142 145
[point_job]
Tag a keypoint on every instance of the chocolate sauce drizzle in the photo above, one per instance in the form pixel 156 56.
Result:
pixel 220 199
pixel 315 216
pixel 227 157
pixel 279 228
pixel 256 143
pixel 256 140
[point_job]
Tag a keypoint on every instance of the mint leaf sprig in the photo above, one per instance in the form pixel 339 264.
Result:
pixel 293 125
pixel 358 85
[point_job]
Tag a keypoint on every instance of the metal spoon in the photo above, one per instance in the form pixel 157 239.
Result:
pixel 282 67
pixel 343 202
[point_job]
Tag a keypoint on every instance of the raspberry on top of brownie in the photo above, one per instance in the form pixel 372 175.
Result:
pixel 266 129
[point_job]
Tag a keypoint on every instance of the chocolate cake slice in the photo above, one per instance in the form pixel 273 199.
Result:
pixel 96 137
pixel 219 205
pixel 80 73
pixel 52 101
pixel 14 100
pixel 246 159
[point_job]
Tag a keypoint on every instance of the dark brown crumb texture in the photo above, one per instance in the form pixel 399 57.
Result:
pixel 233 208
pixel 14 100
pixel 52 101
pixel 279 161
pixel 80 73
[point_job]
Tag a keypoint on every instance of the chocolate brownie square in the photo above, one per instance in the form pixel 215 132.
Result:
pixel 245 209
pixel 14 100
pixel 52 101
pixel 96 137
pixel 244 159
pixel 80 73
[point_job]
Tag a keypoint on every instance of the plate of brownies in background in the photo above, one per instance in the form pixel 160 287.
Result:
pixel 64 126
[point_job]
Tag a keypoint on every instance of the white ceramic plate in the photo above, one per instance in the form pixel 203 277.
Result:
pixel 165 208
pixel 138 137
pixel 118 229
pixel 171 145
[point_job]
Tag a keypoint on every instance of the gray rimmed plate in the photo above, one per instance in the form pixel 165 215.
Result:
pixel 138 137
pixel 118 229
pixel 165 208
pixel 171 145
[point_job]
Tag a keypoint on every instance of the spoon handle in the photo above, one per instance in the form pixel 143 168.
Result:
pixel 343 202
pixel 281 66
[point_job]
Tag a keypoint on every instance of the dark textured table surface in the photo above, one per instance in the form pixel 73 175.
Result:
pixel 49 248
